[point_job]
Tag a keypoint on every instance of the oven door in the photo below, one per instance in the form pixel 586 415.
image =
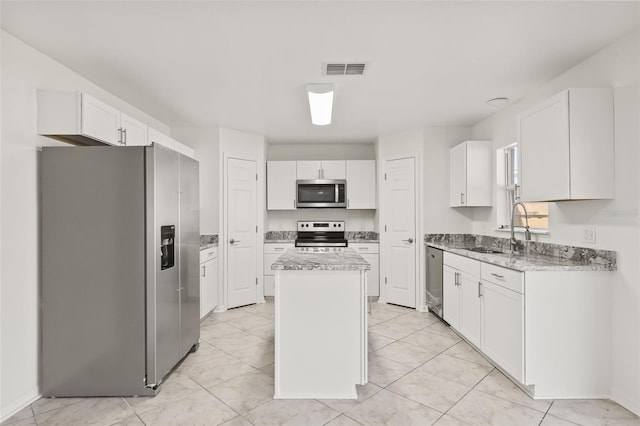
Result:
pixel 321 193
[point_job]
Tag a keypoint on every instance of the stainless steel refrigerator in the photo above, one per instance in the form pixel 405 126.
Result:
pixel 120 268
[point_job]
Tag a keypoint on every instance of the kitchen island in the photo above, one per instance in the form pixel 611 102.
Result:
pixel 320 323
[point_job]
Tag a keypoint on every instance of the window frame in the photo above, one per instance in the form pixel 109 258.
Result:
pixel 508 189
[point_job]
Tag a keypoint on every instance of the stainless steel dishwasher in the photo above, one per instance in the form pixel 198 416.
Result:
pixel 434 280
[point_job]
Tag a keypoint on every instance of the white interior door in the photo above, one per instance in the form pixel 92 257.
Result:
pixel 400 222
pixel 242 220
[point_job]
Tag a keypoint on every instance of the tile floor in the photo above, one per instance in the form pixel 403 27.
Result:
pixel 420 373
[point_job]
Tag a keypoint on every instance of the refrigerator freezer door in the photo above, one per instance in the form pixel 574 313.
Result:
pixel 93 274
pixel 189 240
pixel 163 289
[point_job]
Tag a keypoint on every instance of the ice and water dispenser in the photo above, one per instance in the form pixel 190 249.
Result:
pixel 167 246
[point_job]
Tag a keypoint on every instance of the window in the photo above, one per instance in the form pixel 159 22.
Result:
pixel 538 212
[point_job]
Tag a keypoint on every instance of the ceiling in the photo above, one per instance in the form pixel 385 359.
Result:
pixel 244 65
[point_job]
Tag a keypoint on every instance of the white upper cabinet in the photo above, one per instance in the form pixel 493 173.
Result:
pixel 100 121
pixel 155 136
pixel 184 149
pixel 309 170
pixel 133 132
pixel 470 171
pixel 361 184
pixel 333 169
pixel 80 118
pixel 321 169
pixel 281 185
pixel 567 147
pixel 83 119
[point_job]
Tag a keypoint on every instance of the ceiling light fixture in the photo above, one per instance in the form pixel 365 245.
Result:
pixel 497 102
pixel 320 103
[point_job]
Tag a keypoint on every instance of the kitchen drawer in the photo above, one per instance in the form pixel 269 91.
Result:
pixel 271 253
pixel 507 278
pixel 208 254
pixel 461 263
pixel 277 248
pixel 364 248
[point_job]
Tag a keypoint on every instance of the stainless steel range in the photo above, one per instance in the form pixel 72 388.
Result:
pixel 321 234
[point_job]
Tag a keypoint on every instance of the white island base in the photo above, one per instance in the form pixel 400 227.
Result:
pixel 320 333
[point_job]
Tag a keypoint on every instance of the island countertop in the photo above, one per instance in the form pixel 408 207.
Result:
pixel 320 259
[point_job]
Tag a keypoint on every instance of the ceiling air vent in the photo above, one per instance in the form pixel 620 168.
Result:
pixel 345 69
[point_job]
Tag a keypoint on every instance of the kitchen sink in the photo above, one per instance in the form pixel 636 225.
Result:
pixel 484 250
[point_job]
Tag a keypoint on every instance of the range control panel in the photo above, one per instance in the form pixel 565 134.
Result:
pixel 329 226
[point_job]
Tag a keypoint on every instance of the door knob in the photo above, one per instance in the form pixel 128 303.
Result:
pixel 232 241
pixel 409 240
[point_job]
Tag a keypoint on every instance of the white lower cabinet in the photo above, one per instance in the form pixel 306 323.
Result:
pixel 543 328
pixel 461 295
pixel 503 328
pixel 208 280
pixel 503 318
pixel 370 253
pixel 271 253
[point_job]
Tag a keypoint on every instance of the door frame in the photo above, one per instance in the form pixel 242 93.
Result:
pixel 421 290
pixel 223 275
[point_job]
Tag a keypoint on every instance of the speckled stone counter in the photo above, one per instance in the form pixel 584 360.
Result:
pixel 536 258
pixel 280 237
pixel 320 259
pixel 283 237
pixel 208 241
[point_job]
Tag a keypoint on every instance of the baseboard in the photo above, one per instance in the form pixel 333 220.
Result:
pixel 20 403
pixel 627 402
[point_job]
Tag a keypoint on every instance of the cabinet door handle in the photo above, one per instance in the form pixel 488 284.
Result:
pixel 347 202
pixel 498 276
pixel 120 135
pixel 456 279
pixel 204 270
pixel 124 139
pixel 294 203
pixel 462 198
pixel 479 289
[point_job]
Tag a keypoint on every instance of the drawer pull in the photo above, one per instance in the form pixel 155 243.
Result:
pixel 210 253
pixel 363 248
pixel 278 249
pixel 498 276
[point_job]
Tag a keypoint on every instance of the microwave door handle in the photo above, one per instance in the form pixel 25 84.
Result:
pixel 337 186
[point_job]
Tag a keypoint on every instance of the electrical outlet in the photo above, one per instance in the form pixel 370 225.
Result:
pixel 589 234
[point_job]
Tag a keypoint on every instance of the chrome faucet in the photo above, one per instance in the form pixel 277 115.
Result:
pixel 513 243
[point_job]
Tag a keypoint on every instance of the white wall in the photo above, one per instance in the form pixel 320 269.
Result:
pixel 247 146
pixel 355 220
pixel 438 216
pixel 23 71
pixel 616 221
pixel 205 141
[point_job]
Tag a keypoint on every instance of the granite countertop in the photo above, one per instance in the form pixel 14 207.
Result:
pixel 524 262
pixel 320 259
pixel 208 241
pixel 279 241
pixel 355 237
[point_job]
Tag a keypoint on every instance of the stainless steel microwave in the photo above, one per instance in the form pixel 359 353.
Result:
pixel 321 193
